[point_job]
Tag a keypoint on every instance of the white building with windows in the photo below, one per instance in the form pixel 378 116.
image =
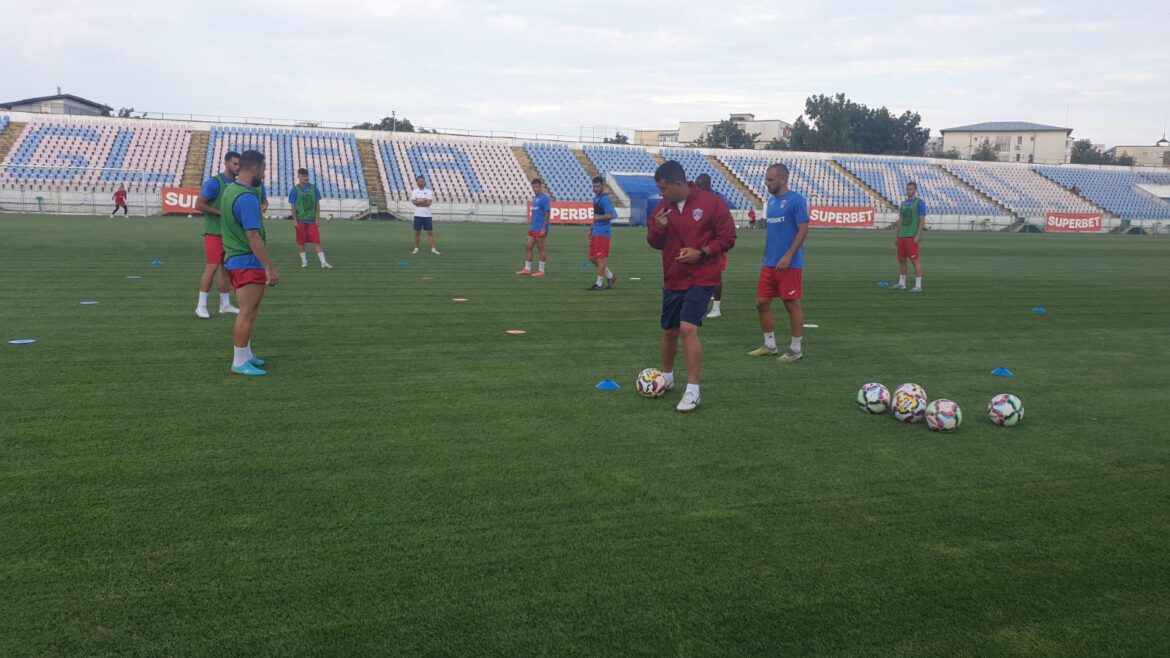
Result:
pixel 1013 141
pixel 58 104
pixel 690 132
pixel 1157 155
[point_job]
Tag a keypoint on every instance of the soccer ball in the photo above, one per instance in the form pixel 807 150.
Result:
pixel 651 383
pixel 943 416
pixel 1005 410
pixel 908 406
pixel 873 398
pixel 912 388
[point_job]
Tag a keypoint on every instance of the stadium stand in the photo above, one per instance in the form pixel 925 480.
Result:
pixel 564 176
pixel 1020 189
pixel 695 163
pixel 3 123
pixel 331 158
pixel 631 160
pixel 96 153
pixel 1113 189
pixel 457 171
pixel 814 178
pixel 1158 177
pixel 943 194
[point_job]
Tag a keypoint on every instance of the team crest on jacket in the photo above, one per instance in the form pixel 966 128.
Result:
pixel 697 213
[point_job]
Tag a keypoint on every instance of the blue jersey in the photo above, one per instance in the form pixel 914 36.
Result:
pixel 603 206
pixel 211 189
pixel 541 207
pixel 247 212
pixel 784 216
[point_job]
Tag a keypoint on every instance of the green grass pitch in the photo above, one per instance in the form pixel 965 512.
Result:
pixel 409 479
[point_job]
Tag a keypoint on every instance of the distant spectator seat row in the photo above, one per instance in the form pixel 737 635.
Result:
pixel 620 159
pixel 3 123
pixel 561 172
pixel 459 171
pixel 96 153
pixel 1157 176
pixel 943 195
pixel 695 163
pixel 1020 189
pixel 814 178
pixel 1114 189
pixel 331 158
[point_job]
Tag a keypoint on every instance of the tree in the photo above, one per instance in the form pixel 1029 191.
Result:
pixel 838 125
pixel 1126 160
pixel 985 153
pixel 389 124
pixel 778 144
pixel 125 113
pixel 728 134
pixel 107 110
pixel 618 139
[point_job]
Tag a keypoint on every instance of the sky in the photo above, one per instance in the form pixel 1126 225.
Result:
pixel 555 68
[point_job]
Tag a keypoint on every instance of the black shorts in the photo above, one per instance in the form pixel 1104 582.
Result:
pixel 685 306
pixel 424 223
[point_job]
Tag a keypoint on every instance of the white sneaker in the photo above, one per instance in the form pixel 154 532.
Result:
pixel 415 250
pixel 304 263
pixel 688 402
pixel 899 286
pixel 790 356
pixel 435 252
pixel 714 314
pixel 916 289
pixel 326 266
pixel 201 312
pixel 228 308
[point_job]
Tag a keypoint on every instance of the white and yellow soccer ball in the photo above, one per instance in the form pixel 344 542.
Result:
pixel 651 383
pixel 913 388
pixel 1005 410
pixel 873 398
pixel 943 416
pixel 908 406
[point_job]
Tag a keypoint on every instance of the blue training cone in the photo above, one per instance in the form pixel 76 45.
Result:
pixel 402 263
pixel 607 385
pixel 584 263
pixel 883 284
pixel 1002 372
pixel 156 262
pixel 1039 309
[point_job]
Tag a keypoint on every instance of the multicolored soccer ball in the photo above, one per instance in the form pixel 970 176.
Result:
pixel 908 406
pixel 913 388
pixel 1005 410
pixel 651 383
pixel 943 416
pixel 873 398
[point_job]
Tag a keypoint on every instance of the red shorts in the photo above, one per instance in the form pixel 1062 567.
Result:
pixel 537 234
pixel 213 249
pixel 308 233
pixel 907 249
pixel 241 278
pixel 599 246
pixel 785 284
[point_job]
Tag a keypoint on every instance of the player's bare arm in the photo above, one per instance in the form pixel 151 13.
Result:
pixel 204 207
pixel 256 243
pixel 801 233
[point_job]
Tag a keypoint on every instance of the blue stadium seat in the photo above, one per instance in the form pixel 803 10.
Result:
pixel 694 164
pixel 943 195
pixel 1113 188
pixel 331 158
pixel 561 172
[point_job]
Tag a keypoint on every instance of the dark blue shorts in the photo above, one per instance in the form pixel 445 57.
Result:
pixel 424 224
pixel 688 305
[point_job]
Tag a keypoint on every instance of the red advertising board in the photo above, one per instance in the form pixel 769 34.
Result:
pixel 568 212
pixel 1073 222
pixel 841 216
pixel 179 200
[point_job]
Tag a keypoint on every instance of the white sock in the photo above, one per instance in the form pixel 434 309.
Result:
pixel 225 298
pixel 795 344
pixel 304 258
pixel 608 273
pixel 693 389
pixel 541 266
pixel 249 348
pixel 600 281
pixel 203 300
pixel 902 280
pixel 241 357
pixel 528 265
pixel 321 257
pixel 917 282
pixel 770 340
pixel 715 306
pixel 669 377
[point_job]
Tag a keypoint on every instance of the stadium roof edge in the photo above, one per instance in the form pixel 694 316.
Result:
pixel 1005 126
pixel 39 99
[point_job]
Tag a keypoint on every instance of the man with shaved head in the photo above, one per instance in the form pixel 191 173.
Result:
pixel 786 220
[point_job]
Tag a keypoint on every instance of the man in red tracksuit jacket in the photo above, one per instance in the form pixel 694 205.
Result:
pixel 692 229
